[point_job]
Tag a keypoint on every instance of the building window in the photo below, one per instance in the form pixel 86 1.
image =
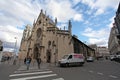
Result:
pixel 49 43
pixel 39 21
pixel 70 57
pixel 39 32
pixel 53 43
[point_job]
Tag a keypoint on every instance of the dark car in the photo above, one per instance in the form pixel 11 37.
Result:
pixel 90 59
pixel 117 58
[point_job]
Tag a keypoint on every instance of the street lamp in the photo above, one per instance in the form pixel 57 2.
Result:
pixel 15 50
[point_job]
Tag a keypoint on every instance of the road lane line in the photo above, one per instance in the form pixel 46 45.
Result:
pixel 99 73
pixel 35 77
pixel 113 76
pixel 91 71
pixel 30 73
pixel 58 79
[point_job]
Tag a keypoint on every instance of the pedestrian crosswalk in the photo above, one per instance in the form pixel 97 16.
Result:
pixel 34 74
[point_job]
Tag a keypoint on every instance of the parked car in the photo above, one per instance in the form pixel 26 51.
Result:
pixel 90 59
pixel 112 57
pixel 4 59
pixel 72 59
pixel 117 58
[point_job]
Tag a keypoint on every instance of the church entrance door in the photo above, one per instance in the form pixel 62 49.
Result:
pixel 36 53
pixel 48 56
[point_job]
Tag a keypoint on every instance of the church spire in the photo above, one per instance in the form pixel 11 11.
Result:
pixel 41 11
pixel 55 21
pixel 34 23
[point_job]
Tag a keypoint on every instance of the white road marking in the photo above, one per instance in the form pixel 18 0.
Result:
pixel 113 76
pixel 35 77
pixel 22 68
pixel 58 79
pixel 30 73
pixel 91 71
pixel 99 73
pixel 19 71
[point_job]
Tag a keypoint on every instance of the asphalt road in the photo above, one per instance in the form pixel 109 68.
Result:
pixel 6 69
pixel 98 70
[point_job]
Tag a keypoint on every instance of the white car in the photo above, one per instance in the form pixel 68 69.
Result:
pixel 112 57
pixel 90 59
pixel 72 59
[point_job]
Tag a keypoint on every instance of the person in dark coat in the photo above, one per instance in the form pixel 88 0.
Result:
pixel 38 62
pixel 27 61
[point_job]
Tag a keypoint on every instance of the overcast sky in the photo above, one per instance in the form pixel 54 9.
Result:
pixel 91 19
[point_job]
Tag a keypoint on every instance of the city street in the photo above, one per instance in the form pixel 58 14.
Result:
pixel 6 69
pixel 60 40
pixel 98 70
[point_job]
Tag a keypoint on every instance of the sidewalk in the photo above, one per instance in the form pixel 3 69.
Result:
pixel 33 64
pixel 43 65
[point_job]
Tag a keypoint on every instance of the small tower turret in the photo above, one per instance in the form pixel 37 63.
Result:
pixel 64 27
pixel 34 23
pixel 41 11
pixel 70 27
pixel 55 21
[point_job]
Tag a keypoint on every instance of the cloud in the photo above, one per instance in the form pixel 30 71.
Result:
pixel 78 17
pixel 18 13
pixel 105 4
pixel 99 11
pixel 8 34
pixel 63 25
pixel 62 10
pixel 99 42
pixel 99 37
pixel 76 1
pixel 100 6
pixel 89 32
pixel 14 14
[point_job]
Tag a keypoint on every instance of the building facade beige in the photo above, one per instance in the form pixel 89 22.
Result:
pixel 94 46
pixel 43 40
pixel 102 51
pixel 47 41
pixel 113 45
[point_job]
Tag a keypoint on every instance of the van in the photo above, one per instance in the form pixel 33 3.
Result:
pixel 72 59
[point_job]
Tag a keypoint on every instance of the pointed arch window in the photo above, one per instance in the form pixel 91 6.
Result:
pixel 49 44
pixel 39 31
pixel 39 21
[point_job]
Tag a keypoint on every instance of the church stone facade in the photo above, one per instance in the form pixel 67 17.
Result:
pixel 46 40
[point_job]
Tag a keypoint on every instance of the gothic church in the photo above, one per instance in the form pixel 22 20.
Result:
pixel 47 41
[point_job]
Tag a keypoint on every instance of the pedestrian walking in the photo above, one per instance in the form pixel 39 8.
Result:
pixel 27 61
pixel 38 62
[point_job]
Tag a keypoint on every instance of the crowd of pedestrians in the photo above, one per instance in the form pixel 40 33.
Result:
pixel 28 60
